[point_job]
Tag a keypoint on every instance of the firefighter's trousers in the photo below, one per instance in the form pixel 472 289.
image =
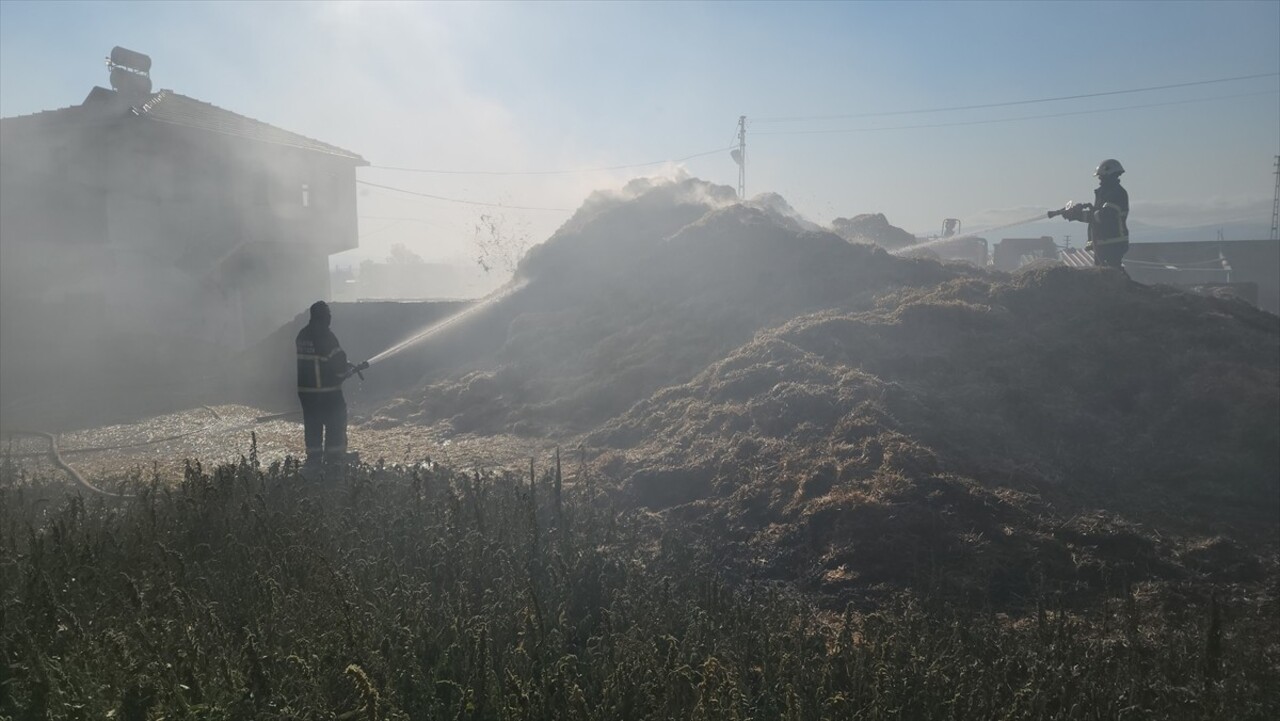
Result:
pixel 1110 255
pixel 324 421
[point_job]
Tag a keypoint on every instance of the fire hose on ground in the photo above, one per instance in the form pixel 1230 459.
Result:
pixel 55 453
pixel 56 457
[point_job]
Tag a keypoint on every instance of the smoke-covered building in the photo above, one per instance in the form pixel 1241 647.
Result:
pixel 154 227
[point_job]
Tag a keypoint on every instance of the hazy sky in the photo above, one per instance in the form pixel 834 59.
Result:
pixel 547 86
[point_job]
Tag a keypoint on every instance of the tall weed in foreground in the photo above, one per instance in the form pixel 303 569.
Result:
pixel 244 592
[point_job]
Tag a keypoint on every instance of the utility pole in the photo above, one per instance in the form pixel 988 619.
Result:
pixel 1275 205
pixel 739 155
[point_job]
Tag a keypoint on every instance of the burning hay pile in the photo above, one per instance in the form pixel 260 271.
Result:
pixel 984 436
pixel 639 291
pixel 830 412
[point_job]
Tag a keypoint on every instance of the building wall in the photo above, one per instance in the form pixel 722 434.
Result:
pixel 154 246
pixel 1010 253
pixel 1185 264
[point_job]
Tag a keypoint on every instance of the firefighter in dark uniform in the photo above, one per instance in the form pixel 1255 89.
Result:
pixel 1107 217
pixel 1108 223
pixel 322 367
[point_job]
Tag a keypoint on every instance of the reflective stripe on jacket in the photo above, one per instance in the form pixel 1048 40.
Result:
pixel 321 360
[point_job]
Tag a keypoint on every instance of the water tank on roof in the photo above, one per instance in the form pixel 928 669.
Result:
pixel 130 72
pixel 130 84
pixel 131 59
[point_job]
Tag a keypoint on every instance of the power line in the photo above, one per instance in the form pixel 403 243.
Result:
pixel 1008 120
pixel 433 222
pixel 460 200
pixel 1012 102
pixel 398 221
pixel 549 172
pixel 396 217
pixel 371 233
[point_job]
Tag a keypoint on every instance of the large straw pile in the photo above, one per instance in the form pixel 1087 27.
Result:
pixel 823 411
pixel 640 291
pixel 1059 426
pixel 833 413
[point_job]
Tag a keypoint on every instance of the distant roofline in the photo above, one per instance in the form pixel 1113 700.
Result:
pixel 1204 242
pixel 101 97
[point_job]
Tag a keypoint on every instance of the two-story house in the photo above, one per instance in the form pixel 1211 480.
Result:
pixel 152 231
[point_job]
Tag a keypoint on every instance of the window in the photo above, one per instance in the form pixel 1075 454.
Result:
pixel 306 195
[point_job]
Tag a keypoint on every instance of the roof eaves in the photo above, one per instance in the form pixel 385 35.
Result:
pixel 58 113
pixel 283 137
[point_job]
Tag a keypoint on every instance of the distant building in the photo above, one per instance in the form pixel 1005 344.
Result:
pixel 1249 269
pixel 964 249
pixel 1013 253
pixel 161 223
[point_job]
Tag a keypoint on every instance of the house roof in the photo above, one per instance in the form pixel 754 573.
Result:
pixel 167 106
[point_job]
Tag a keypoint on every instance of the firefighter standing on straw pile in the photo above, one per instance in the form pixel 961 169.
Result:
pixel 1107 216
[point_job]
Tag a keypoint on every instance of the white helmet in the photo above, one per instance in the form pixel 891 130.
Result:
pixel 1110 166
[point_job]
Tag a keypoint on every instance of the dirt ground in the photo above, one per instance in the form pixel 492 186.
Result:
pixel 223 433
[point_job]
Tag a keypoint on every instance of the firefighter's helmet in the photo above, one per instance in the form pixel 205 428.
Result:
pixel 1110 166
pixel 320 311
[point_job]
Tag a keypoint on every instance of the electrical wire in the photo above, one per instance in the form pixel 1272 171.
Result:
pixel 460 200
pixel 375 231
pixel 1012 102
pixel 429 222
pixel 1014 119
pixel 393 217
pixel 548 172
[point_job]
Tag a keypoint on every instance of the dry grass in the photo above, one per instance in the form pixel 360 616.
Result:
pixel 223 438
pixel 246 592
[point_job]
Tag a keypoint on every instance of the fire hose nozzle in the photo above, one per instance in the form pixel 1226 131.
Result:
pixel 1072 211
pixel 357 370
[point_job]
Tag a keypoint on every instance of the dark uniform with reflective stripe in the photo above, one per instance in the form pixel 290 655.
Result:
pixel 1108 223
pixel 321 365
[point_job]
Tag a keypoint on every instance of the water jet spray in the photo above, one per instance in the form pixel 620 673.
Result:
pixel 973 234
pixel 439 326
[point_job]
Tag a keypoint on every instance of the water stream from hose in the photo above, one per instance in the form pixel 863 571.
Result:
pixel 949 238
pixel 451 321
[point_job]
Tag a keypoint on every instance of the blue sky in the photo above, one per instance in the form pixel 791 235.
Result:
pixel 536 86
